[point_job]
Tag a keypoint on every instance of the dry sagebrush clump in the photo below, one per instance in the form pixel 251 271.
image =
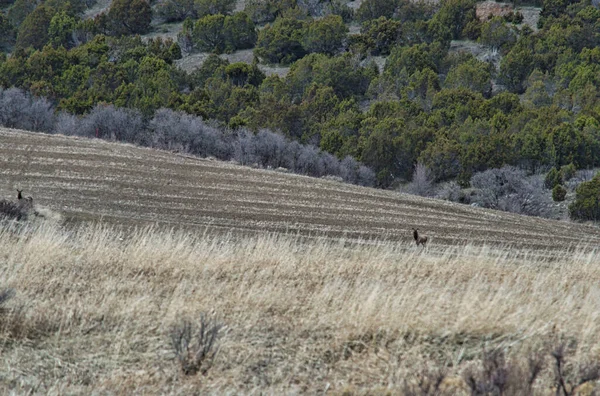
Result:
pixel 303 316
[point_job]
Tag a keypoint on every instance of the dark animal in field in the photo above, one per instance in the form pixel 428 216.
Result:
pixel 19 194
pixel 420 240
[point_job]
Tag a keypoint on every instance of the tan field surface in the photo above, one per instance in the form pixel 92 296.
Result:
pixel 88 179
pixel 317 286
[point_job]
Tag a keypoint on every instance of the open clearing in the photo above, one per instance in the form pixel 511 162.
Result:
pixel 91 179
pixel 318 284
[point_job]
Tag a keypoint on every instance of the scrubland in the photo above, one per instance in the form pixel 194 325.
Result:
pixel 307 285
pixel 95 309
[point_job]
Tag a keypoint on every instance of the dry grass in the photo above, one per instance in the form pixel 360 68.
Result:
pixel 318 285
pixel 96 308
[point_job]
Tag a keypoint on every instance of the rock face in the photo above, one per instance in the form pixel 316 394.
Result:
pixel 490 9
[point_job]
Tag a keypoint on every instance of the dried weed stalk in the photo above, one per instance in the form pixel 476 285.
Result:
pixel 196 349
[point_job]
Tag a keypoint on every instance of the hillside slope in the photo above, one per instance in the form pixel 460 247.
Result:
pixel 92 179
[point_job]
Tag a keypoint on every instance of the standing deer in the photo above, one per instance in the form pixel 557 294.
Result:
pixel 420 240
pixel 19 194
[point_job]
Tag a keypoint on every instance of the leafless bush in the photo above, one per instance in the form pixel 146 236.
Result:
pixel 172 130
pixel 196 348
pixel 270 148
pixel 18 109
pixel 115 123
pixel 422 182
pixel 40 116
pixel 568 378
pixel 245 150
pixel 583 175
pixel 499 376
pixel 365 176
pixel 449 191
pixel 67 124
pixel 511 190
pixel 425 383
pixel 10 210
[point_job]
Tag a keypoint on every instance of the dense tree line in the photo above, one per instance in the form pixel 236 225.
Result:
pixel 455 114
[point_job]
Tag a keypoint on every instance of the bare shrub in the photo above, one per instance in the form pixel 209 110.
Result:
pixel 365 176
pixel 498 375
pixel 115 123
pixel 19 109
pixel 244 148
pixel 449 191
pixel 511 190
pixel 10 210
pixel 422 182
pixel 583 175
pixel 172 130
pixel 270 148
pixel 426 382
pixel 196 348
pixel 13 103
pixel 569 378
pixel 67 124
pixel 40 115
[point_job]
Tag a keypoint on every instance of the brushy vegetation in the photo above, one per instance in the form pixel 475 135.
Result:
pixel 183 133
pixel 428 105
pixel 301 316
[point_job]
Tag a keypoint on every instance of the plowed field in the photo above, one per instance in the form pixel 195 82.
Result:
pixel 87 179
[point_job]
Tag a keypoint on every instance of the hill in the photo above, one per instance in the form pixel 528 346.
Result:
pixel 123 184
pixel 89 309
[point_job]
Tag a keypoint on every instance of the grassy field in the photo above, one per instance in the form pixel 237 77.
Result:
pixel 317 284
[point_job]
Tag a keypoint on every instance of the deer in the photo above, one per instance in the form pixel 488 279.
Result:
pixel 19 194
pixel 420 240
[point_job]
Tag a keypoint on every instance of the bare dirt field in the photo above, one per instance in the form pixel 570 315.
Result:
pixel 317 285
pixel 92 179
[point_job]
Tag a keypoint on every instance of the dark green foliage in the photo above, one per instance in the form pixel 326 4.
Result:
pixel 219 33
pixel 7 32
pixel 130 17
pixel 497 34
pixel 177 10
pixel 515 67
pixel 262 11
pixel 472 74
pixel 60 31
pixel 19 11
pixel 568 171
pixel 455 15
pixel 587 201
pixel 559 193
pixel 326 35
pixel 553 179
pixel 213 7
pixel 281 42
pixel 378 36
pixel 373 9
pixel 33 32
pixel 409 60
pixel 338 7
pixel 240 31
pixel 209 33
pixel 241 74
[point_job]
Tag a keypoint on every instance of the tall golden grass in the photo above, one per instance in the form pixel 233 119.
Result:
pixel 94 308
